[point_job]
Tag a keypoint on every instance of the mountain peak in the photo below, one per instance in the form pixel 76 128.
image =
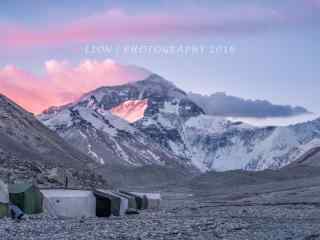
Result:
pixel 155 89
pixel 156 79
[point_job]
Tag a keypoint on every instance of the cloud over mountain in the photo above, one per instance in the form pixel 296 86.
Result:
pixel 62 82
pixel 221 104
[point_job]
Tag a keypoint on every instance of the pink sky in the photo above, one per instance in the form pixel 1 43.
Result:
pixel 63 83
pixel 115 24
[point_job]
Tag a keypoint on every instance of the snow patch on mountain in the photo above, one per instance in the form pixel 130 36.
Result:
pixel 95 155
pixel 208 124
pixel 131 110
pixel 171 107
pixel 53 119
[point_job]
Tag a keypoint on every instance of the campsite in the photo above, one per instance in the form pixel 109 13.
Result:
pixel 247 212
pixel 72 203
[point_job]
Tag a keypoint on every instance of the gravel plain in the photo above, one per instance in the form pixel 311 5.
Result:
pixel 183 216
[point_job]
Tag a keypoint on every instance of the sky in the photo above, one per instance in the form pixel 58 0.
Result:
pixel 53 51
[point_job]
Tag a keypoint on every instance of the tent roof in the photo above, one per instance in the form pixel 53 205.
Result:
pixel 19 187
pixel 149 195
pixel 66 193
pixel 132 194
pixel 127 196
pixel 119 195
pixel 106 193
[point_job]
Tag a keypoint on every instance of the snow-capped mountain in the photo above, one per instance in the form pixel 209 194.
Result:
pixel 154 122
pixel 246 147
pixel 90 125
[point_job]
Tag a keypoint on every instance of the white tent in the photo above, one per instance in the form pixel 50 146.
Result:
pixel 4 194
pixel 131 199
pixel 69 203
pixel 154 199
pixel 4 199
pixel 124 203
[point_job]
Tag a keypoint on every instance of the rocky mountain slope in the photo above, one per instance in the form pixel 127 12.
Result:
pixel 310 158
pixel 161 125
pixel 29 150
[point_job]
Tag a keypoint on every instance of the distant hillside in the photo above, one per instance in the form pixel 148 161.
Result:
pixel 29 150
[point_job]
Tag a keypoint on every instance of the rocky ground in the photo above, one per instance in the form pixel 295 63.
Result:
pixel 282 204
pixel 186 216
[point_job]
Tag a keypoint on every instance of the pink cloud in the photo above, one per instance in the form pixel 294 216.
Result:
pixel 62 82
pixel 110 25
pixel 116 24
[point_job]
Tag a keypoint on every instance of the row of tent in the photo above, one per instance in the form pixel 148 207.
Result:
pixel 74 203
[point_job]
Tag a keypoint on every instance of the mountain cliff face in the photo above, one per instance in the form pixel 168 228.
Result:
pixel 161 125
pixel 29 150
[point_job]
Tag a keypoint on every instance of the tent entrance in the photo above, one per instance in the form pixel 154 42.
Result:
pixel 103 206
pixel 27 197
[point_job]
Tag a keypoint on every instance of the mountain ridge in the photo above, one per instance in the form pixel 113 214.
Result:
pixel 180 128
